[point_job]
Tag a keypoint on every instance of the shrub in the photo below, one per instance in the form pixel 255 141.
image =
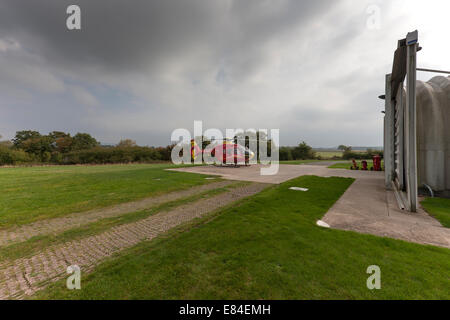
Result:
pixel 102 155
pixel 349 154
pixel 286 154
pixel 56 157
pixel 303 152
pixel 11 157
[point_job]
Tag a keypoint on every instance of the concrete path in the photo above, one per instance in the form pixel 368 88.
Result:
pixel 366 206
pixel 326 163
pixel 286 172
pixel 25 276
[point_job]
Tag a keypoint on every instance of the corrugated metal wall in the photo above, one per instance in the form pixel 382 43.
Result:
pixel 433 133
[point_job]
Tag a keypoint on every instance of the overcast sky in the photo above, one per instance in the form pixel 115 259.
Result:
pixel 140 69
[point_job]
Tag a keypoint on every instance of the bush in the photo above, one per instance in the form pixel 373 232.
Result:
pixel 56 157
pixel 286 153
pixel 165 153
pixel 102 155
pixel 303 152
pixel 46 156
pixel 349 154
pixel 60 148
pixel 11 157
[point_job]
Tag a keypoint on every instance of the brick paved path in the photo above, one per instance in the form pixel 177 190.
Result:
pixel 27 275
pixel 73 220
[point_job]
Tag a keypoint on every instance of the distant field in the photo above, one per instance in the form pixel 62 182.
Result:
pixel 329 154
pixel 33 193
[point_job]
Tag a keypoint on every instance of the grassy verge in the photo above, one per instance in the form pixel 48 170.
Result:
pixel 348 164
pixel 438 208
pixel 268 248
pixel 33 193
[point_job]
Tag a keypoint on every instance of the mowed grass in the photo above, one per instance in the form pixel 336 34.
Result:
pixel 438 208
pixel 39 243
pixel 268 247
pixel 32 193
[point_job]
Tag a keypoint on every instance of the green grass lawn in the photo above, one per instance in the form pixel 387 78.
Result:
pixel 348 164
pixel 39 243
pixel 268 247
pixel 28 194
pixel 438 208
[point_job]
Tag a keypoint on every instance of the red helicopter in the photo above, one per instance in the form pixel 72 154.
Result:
pixel 225 153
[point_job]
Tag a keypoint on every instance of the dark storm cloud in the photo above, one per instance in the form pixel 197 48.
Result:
pixel 135 46
pixel 141 68
pixel 128 36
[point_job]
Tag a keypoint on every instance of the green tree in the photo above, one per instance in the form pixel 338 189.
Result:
pixel 303 152
pixel 83 141
pixel 64 144
pixel 38 146
pixel 127 143
pixel 165 153
pixel 62 141
pixel 58 134
pixel 348 153
pixel 22 136
pixel 285 153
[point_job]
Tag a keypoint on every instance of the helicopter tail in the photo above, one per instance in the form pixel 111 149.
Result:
pixel 195 149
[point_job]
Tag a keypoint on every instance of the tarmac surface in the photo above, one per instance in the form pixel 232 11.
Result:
pixel 366 206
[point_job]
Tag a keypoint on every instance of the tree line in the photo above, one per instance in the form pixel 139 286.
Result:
pixel 58 147
pixel 305 152
pixel 348 153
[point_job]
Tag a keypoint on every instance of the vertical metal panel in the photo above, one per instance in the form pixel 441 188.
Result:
pixel 399 140
pixel 410 129
pixel 388 134
pixel 400 143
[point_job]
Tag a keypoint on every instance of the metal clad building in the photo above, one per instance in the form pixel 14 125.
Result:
pixel 416 128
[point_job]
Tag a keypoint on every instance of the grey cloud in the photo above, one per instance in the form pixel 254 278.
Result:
pixel 141 68
pixel 126 36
